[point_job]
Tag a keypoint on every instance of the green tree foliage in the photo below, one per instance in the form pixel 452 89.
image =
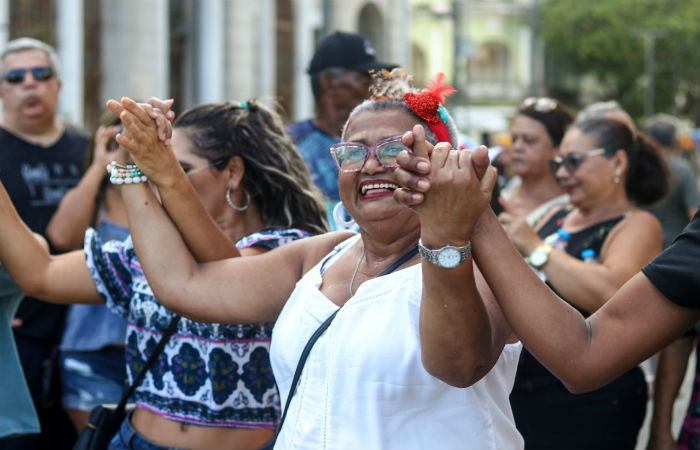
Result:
pixel 603 38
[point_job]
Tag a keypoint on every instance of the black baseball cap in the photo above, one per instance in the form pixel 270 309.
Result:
pixel 347 50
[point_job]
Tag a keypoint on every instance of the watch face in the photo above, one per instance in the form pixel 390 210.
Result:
pixel 449 257
pixel 538 258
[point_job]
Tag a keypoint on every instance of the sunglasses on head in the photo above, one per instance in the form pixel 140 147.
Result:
pixel 539 104
pixel 572 161
pixel 16 76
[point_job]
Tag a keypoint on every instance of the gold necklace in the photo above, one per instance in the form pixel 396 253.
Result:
pixel 357 267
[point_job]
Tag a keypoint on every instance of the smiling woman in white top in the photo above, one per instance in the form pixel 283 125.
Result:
pixel 366 383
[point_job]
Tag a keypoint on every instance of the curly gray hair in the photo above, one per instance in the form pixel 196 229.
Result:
pixel 387 92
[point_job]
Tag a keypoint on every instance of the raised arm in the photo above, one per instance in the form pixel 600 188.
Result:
pixel 76 212
pixel 202 235
pixel 462 329
pixel 234 290
pixel 59 279
pixel 585 354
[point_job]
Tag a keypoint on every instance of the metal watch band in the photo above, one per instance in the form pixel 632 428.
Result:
pixel 433 256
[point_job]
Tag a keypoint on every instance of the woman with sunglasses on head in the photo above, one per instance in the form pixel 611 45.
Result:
pixel 364 384
pixel 585 252
pixel 536 131
pixel 212 386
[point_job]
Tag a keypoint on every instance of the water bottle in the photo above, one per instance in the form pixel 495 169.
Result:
pixel 588 256
pixel 558 239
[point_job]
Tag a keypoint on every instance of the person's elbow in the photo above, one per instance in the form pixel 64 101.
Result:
pixel 579 380
pixel 460 372
pixel 63 242
pixel 579 385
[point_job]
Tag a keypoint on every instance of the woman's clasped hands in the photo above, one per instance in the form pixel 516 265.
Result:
pixel 448 188
pixel 146 136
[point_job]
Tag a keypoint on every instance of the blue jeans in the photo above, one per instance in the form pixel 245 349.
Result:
pixel 92 378
pixel 127 438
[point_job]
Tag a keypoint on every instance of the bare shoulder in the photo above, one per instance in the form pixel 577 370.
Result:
pixel 637 235
pixel 311 250
pixel 640 223
pixel 644 218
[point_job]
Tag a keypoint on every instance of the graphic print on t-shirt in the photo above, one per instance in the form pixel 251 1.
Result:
pixel 47 185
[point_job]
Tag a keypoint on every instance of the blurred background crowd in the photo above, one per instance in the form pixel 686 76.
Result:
pixel 524 72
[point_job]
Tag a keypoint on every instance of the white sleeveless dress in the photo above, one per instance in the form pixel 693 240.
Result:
pixel 364 386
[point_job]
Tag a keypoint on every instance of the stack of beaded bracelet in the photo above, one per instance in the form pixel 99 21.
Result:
pixel 125 174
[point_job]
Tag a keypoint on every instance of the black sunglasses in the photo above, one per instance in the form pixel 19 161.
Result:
pixel 16 76
pixel 572 161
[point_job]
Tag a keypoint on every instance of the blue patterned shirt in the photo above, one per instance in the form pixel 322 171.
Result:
pixel 315 147
pixel 208 374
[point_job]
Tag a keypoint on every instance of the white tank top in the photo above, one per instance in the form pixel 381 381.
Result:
pixel 364 386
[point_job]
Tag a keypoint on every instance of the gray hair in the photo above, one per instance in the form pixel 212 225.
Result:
pixel 379 105
pixel 598 109
pixel 387 91
pixel 25 43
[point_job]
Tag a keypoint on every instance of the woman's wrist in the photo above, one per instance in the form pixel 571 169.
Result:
pixel 531 247
pixel 439 236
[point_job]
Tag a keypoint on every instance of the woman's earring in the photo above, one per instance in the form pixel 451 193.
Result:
pixel 234 207
pixel 340 214
pixel 616 178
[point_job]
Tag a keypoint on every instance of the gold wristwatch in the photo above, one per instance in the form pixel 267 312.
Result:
pixel 539 257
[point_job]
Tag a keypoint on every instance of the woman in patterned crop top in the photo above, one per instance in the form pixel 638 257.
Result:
pixel 212 387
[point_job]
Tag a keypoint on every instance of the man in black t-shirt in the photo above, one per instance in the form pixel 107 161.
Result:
pixel 40 160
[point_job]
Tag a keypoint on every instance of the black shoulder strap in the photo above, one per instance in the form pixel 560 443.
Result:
pixel 151 359
pixel 408 255
pixel 302 359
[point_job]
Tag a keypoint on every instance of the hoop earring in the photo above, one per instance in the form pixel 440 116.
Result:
pixel 234 207
pixel 340 214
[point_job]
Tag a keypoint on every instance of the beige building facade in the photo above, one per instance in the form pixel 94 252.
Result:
pixel 200 50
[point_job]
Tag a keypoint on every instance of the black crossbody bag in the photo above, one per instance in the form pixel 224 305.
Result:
pixel 105 420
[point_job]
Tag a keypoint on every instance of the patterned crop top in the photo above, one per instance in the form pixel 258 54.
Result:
pixel 208 374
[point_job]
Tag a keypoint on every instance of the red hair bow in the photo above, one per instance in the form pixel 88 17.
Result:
pixel 427 105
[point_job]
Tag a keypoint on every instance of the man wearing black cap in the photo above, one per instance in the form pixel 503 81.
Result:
pixel 340 80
